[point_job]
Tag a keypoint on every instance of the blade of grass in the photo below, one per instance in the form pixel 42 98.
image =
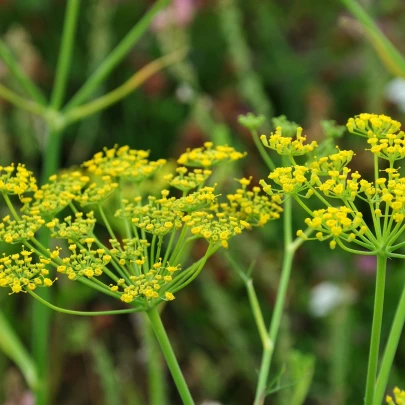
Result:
pixel 12 347
pixel 116 56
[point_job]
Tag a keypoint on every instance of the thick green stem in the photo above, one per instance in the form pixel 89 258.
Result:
pixel 156 381
pixel 376 329
pixel 170 357
pixel 279 306
pixel 65 54
pixel 390 350
pixel 51 155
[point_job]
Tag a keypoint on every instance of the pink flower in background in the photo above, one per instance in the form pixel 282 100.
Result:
pixel 180 13
pixel 26 399
pixel 366 264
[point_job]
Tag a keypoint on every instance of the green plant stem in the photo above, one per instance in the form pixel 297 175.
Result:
pixel 51 155
pixel 21 102
pixel 83 313
pixel 156 380
pixel 258 315
pixel 169 355
pixel 376 329
pixel 390 350
pixel 107 223
pixel 386 50
pixel 263 153
pixel 124 90
pixel 25 82
pixel 289 250
pixel 116 56
pixel 65 54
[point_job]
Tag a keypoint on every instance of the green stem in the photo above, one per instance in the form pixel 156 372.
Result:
pixel 51 154
pixel 21 102
pixel 279 306
pixel 65 54
pixel 390 350
pixel 263 153
pixel 258 315
pixel 125 89
pixel 26 83
pixel 156 380
pixel 170 357
pixel 116 56
pixel 83 313
pixel 376 329
pixel 106 222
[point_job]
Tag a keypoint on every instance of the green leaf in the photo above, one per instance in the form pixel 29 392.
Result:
pixel 13 348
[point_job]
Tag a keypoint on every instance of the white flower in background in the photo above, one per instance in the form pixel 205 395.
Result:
pixel 326 296
pixel 395 93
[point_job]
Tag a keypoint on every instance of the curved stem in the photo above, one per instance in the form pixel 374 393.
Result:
pixel 20 102
pixel 279 306
pixel 390 350
pixel 83 313
pixel 260 147
pixel 170 357
pixel 376 329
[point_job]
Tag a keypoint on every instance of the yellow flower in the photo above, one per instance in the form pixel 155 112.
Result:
pixel 285 145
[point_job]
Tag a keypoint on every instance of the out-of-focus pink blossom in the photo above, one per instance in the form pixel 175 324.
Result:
pixel 366 264
pixel 179 13
pixel 25 399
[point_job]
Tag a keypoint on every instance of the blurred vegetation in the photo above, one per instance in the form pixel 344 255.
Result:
pixel 308 60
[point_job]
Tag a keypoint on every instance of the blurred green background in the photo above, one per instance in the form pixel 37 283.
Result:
pixel 308 60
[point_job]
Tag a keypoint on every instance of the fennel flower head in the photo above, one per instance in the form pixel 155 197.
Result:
pixel 143 259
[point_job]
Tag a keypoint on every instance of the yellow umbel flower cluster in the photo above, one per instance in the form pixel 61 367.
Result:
pixel 148 285
pixel 373 125
pixel 84 262
pixel 334 162
pixel 18 272
pixel 55 195
pixel 251 206
pixel 287 146
pixel 336 223
pixel 123 162
pixel 188 180
pixel 209 156
pixel 73 228
pixel 159 216
pixel 17 231
pixel 291 180
pixel 215 228
pixel 16 180
pixel 141 267
pixel 97 192
pixel 399 397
